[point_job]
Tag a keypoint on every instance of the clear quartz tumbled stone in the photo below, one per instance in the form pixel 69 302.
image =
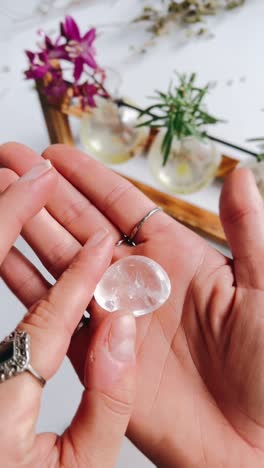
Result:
pixel 133 284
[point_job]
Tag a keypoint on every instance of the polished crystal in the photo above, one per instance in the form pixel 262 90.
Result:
pixel 133 284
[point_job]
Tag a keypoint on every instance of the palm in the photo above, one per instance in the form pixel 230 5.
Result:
pixel 200 379
pixel 193 352
pixel 189 355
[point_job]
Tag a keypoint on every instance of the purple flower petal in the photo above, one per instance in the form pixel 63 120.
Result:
pixel 54 50
pixel 78 68
pixel 91 101
pixel 30 55
pixel 36 73
pixel 58 52
pixel 89 60
pixel 89 93
pixel 48 43
pixel 89 37
pixel 28 74
pixel 70 29
pixel 43 56
pixel 62 31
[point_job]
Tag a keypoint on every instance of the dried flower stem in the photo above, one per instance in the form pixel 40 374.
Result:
pixel 183 12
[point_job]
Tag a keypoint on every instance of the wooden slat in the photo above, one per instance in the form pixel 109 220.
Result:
pixel 57 123
pixel 226 166
pixel 192 216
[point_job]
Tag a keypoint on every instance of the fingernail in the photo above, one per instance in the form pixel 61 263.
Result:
pixel 37 171
pixel 122 337
pixel 97 237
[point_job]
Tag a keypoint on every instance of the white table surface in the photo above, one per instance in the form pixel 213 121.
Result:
pixel 233 58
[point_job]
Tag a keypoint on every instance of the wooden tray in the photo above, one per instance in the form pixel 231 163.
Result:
pixel 199 219
pixel 203 221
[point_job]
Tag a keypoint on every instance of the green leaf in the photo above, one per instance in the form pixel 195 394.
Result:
pixel 165 140
pixel 260 157
pixel 167 148
pixel 180 111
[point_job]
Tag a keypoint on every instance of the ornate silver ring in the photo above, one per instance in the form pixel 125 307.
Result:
pixel 15 357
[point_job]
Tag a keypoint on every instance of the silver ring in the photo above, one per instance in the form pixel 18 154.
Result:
pixel 130 240
pixel 15 356
pixel 83 322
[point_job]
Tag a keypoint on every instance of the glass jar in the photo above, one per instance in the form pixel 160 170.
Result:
pixel 108 132
pixel 192 163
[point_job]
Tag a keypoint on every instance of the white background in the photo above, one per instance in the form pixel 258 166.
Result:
pixel 233 58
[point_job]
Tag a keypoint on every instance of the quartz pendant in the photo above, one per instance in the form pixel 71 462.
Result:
pixel 134 284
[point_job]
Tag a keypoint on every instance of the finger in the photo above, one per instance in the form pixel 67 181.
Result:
pixel 242 216
pixel 23 278
pixel 98 428
pixel 20 164
pixel 56 249
pixel 7 177
pixel 67 205
pixel 54 245
pixel 29 286
pixel 50 324
pixel 74 211
pixel 52 321
pixel 115 197
pixel 22 200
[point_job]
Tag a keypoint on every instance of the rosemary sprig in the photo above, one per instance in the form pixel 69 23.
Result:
pixel 180 111
pixel 122 103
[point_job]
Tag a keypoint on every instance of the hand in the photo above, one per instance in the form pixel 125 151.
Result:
pixel 200 357
pixel 96 432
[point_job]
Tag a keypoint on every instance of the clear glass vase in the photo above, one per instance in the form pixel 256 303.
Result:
pixel 192 163
pixel 109 132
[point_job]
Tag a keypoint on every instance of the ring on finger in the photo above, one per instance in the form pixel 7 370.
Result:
pixel 130 240
pixel 15 354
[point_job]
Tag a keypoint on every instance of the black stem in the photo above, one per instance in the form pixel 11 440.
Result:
pixel 121 102
pixel 232 145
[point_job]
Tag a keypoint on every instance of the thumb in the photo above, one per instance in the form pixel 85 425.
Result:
pixel 99 426
pixel 242 216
